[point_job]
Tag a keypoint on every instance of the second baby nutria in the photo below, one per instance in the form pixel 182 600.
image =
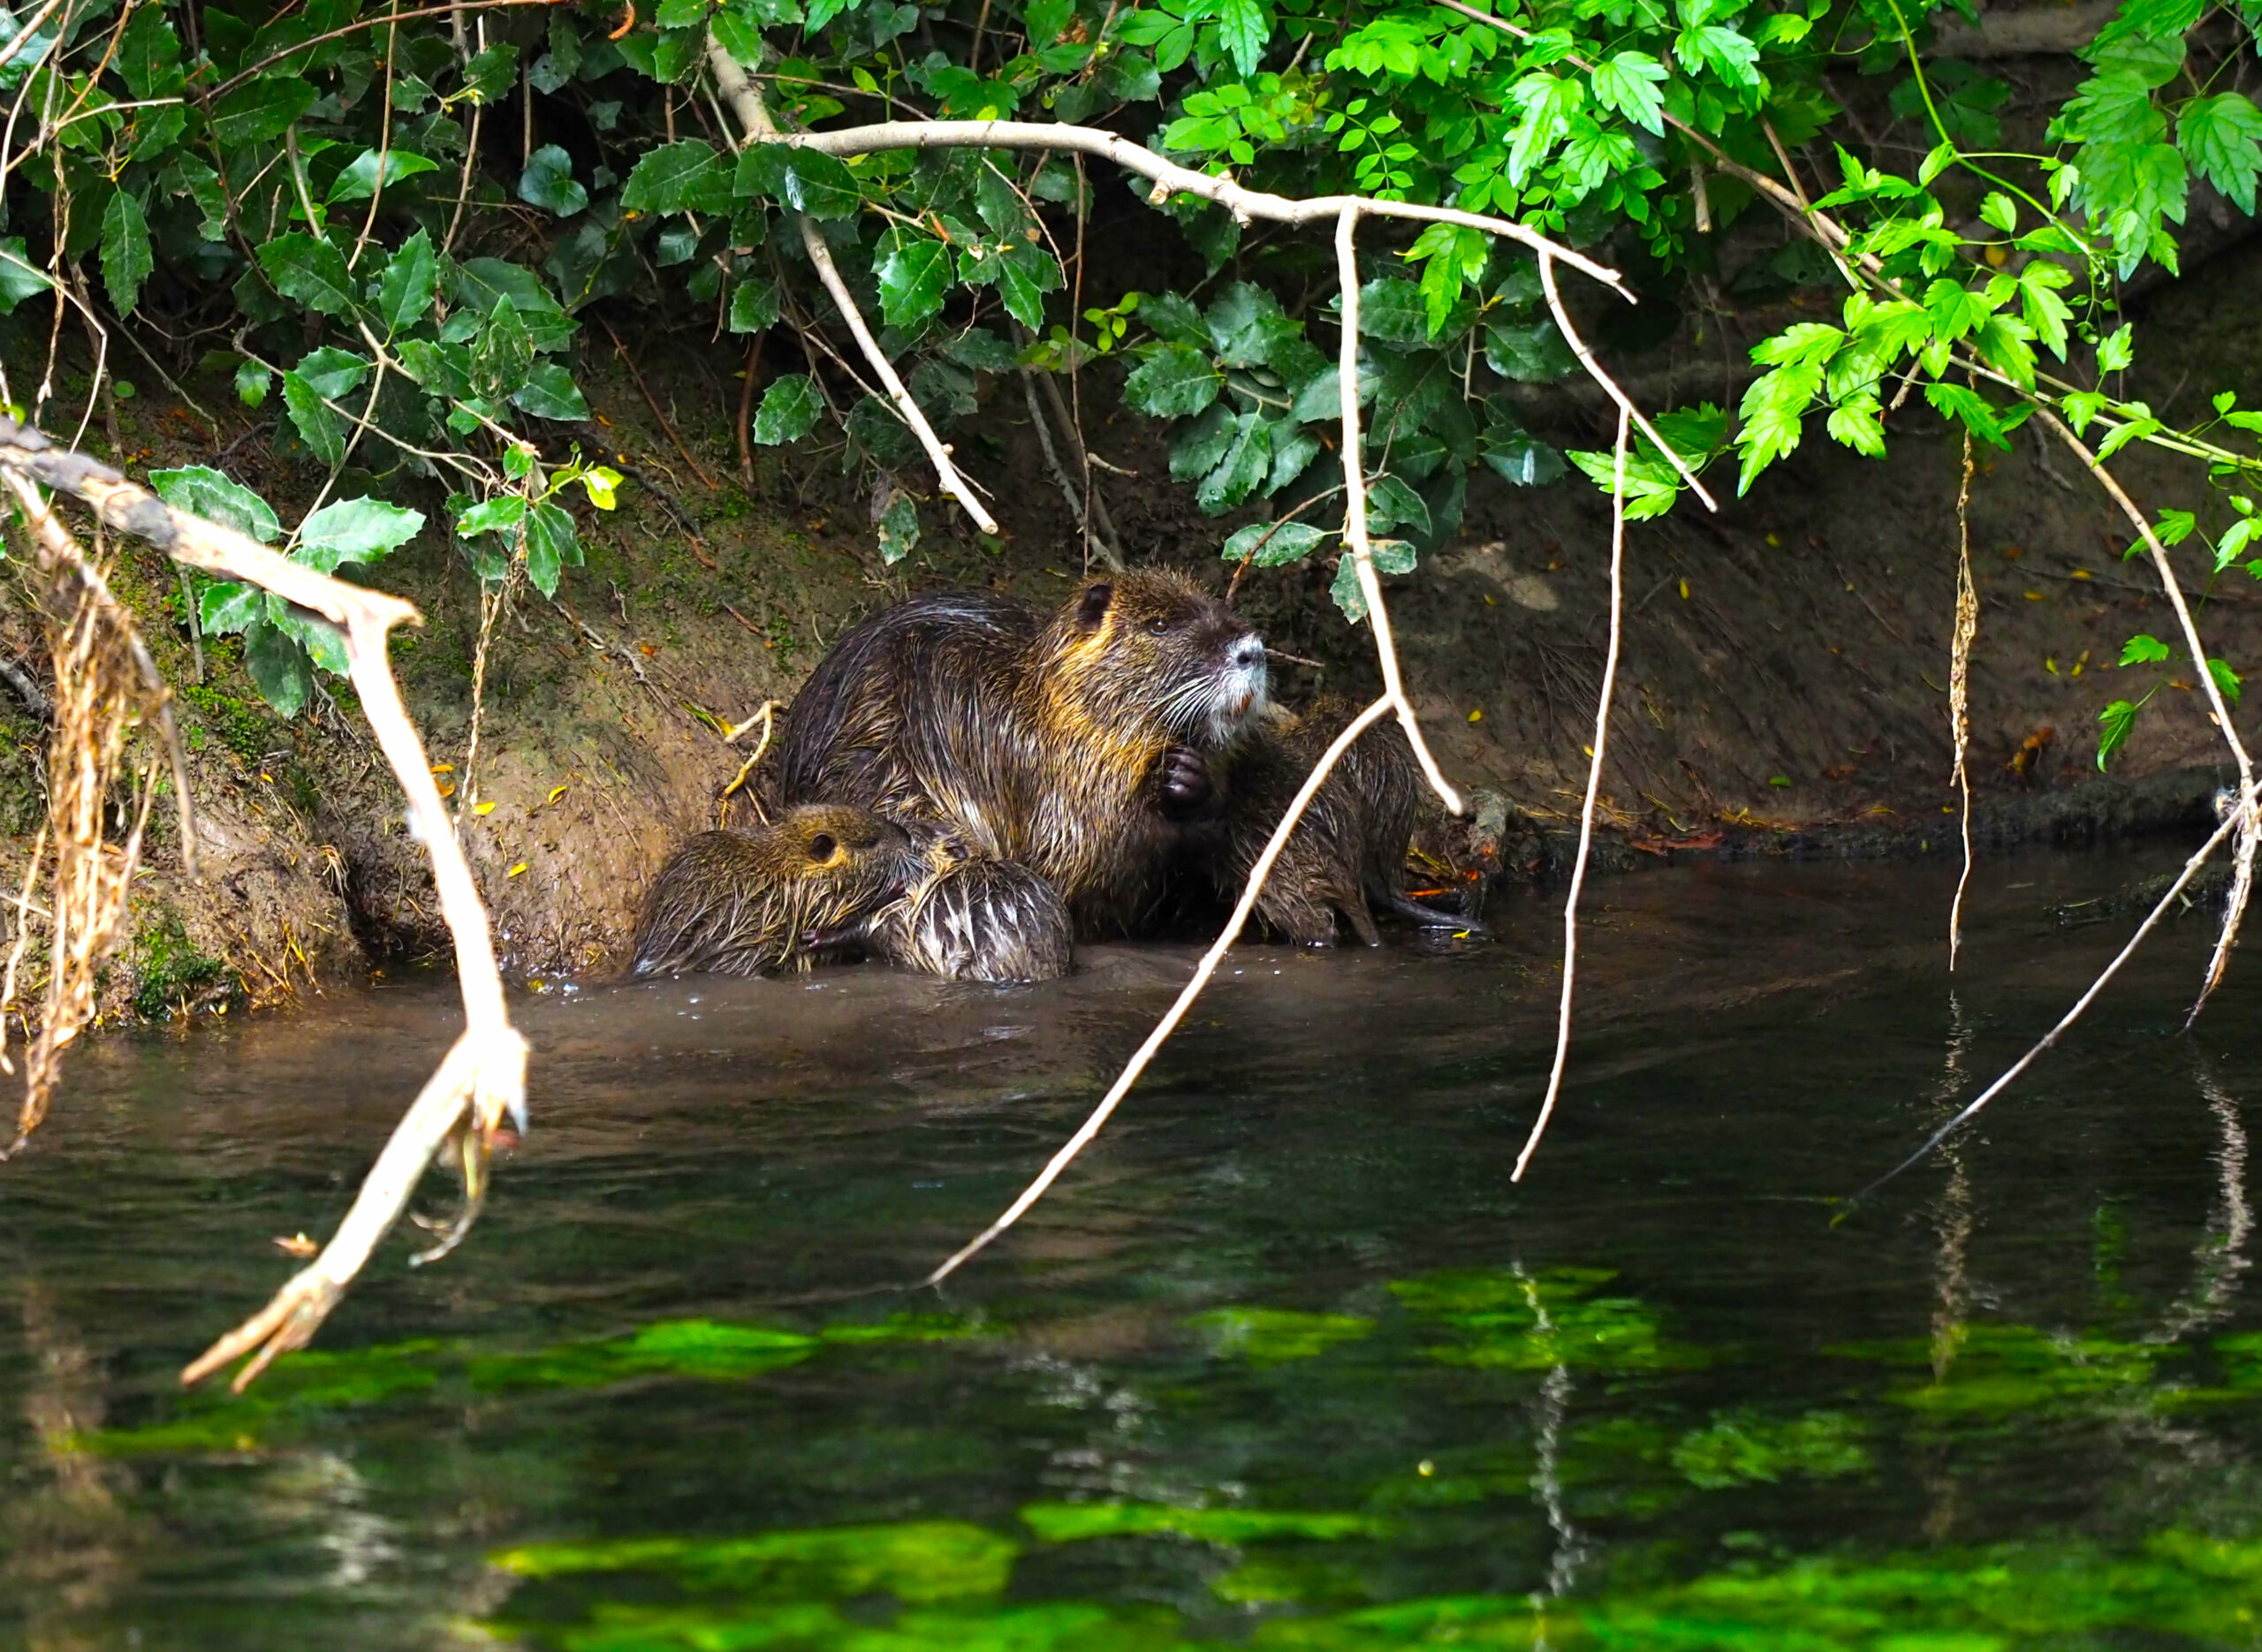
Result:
pixel 1349 847
pixel 1077 744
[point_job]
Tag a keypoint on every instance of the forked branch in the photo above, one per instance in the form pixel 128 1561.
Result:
pixel 485 1073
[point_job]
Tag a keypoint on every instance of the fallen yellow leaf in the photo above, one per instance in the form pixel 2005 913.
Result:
pixel 555 792
pixel 482 808
pixel 444 768
pixel 515 870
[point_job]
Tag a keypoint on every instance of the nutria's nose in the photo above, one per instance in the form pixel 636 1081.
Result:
pixel 1246 652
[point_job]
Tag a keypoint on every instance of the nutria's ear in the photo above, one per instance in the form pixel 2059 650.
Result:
pixel 1093 607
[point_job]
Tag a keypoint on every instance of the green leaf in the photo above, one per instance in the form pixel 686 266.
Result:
pixel 317 426
pixel 1248 328
pixel 325 644
pixel 1628 83
pixel 788 412
pixel 2227 682
pixel 1393 312
pixel 1392 504
pixel 149 55
pixel 1172 381
pixel 360 181
pixel 2144 649
pixel 1345 589
pixel 490 73
pixel 1545 103
pixel 260 111
pixel 277 665
pixel 1858 422
pixel 1026 274
pixel 2221 137
pixel 20 277
pixel 356 531
pixel 411 276
pixel 202 491
pixel 548 182
pixel 1772 411
pixel 330 372
pixel 251 382
pixel 1729 55
pixel 502 353
pixel 914 275
pixel 754 304
pixel 1273 544
pixel 676 177
pixel 442 369
pixel 549 393
pixel 806 180
pixel 1998 211
pixel 1246 461
pixel 126 256
pixel 226 608
pixel 552 544
pixel 505 514
pixel 309 271
pixel 1244 26
pixel 898 529
pixel 1967 407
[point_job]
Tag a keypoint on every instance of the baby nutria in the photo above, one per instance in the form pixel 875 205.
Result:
pixel 977 920
pixel 749 903
pixel 1077 743
pixel 1351 842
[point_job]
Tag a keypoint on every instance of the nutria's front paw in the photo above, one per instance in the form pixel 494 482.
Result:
pixel 1185 781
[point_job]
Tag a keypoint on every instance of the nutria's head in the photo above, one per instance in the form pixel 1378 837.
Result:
pixel 748 903
pixel 1151 650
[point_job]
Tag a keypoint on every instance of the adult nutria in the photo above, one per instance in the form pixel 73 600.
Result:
pixel 977 920
pixel 1077 743
pixel 749 903
pixel 1350 846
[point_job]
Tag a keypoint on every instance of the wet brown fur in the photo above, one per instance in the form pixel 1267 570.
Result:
pixel 1350 846
pixel 1036 738
pixel 751 903
pixel 977 920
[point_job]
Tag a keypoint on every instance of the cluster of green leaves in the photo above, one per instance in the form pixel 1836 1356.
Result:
pixel 413 285
pixel 1253 405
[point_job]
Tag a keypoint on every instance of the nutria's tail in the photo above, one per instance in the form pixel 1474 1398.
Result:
pixel 1428 917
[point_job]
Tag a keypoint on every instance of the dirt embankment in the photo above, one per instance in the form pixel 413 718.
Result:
pixel 1783 685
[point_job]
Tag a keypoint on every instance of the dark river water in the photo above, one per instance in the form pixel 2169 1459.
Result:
pixel 1284 1362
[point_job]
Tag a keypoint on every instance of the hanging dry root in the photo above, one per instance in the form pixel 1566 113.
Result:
pixel 104 689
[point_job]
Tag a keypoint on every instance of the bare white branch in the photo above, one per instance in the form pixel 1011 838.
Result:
pixel 1586 810
pixel 1184 1002
pixel 746 101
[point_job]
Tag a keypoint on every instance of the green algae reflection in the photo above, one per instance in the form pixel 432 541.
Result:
pixel 305 1388
pixel 919 1562
pixel 1507 1319
pixel 1077 1522
pixel 1273 1335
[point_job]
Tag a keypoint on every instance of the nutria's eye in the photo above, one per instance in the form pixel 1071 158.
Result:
pixel 822 847
pixel 1159 626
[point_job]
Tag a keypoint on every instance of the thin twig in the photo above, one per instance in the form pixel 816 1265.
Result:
pixel 1959 690
pixel 1192 991
pixel 746 101
pixel 2175 892
pixel 1093 540
pixel 1354 489
pixel 652 401
pixel 2240 818
pixel 1586 810
pixel 1610 386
